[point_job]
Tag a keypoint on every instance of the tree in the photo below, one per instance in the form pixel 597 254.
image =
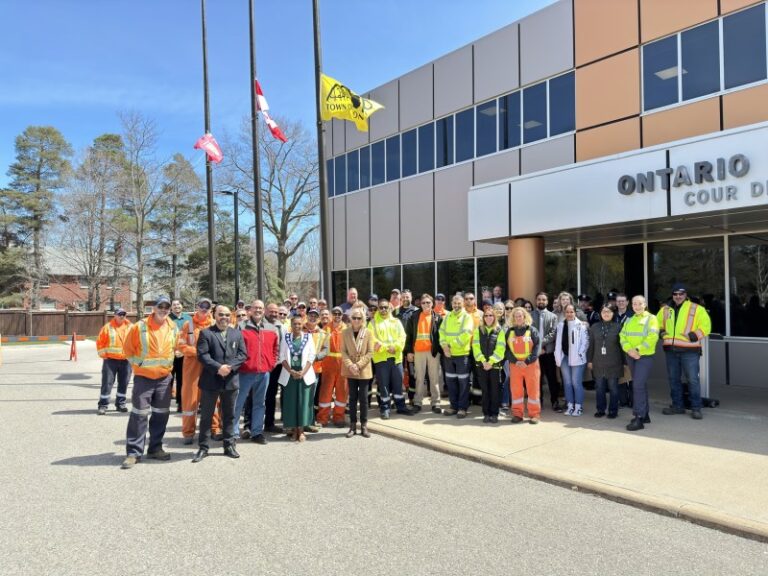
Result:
pixel 289 190
pixel 41 168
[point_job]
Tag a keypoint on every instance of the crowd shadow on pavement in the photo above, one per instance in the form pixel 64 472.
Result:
pixel 104 459
pixel 74 376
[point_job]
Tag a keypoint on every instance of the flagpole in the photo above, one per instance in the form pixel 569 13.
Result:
pixel 208 172
pixel 260 276
pixel 325 274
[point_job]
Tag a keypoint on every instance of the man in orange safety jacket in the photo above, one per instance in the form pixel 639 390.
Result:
pixel 109 346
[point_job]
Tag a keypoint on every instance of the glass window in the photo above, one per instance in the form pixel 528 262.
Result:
pixel 615 268
pixel 562 105
pixel 465 135
pixel 700 264
pixel 535 113
pixel 444 142
pixel 509 121
pixel 559 273
pixel 393 158
pixel 409 153
pixel 384 279
pixel 700 49
pixel 744 47
pixel 365 167
pixel 329 176
pixel 360 279
pixel 339 288
pixel 426 147
pixel 341 174
pixel 660 73
pixel 353 171
pixel 486 128
pixel 377 163
pixel 455 276
pixel 749 285
pixel 492 271
pixel 419 278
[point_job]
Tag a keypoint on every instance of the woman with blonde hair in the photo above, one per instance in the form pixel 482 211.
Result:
pixel 488 351
pixel 356 354
pixel 522 353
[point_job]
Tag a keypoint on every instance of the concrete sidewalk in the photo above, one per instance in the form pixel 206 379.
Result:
pixel 712 472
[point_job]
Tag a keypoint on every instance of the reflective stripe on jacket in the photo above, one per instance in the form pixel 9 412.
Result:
pixel 640 332
pixel 109 343
pixel 456 332
pixel 149 347
pixel 692 318
pixel 488 345
pixel 387 332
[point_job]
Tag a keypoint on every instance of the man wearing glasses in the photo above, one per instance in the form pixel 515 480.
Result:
pixel 388 345
pixel 178 316
pixel 333 383
pixel 456 332
pixel 275 317
pixel 683 326
pixel 422 348
pixel 109 346
pixel 149 348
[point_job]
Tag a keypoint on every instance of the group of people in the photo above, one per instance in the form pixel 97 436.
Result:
pixel 326 361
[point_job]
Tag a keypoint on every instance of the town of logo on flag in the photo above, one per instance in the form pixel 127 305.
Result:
pixel 211 147
pixel 338 101
pixel 263 107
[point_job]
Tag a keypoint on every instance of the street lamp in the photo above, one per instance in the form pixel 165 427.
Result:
pixel 236 200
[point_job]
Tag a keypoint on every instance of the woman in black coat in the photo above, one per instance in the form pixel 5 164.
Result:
pixel 606 360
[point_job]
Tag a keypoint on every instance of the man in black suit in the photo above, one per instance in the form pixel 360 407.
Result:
pixel 222 351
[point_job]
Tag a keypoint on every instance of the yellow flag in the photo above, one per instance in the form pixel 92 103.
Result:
pixel 338 101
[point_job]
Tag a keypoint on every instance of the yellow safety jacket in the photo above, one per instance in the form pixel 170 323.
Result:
pixel 497 354
pixel 387 332
pixel 675 329
pixel 456 332
pixel 640 332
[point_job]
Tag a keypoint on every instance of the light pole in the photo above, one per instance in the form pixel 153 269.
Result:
pixel 208 172
pixel 236 200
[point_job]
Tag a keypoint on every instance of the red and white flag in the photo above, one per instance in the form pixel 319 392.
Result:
pixel 263 107
pixel 211 147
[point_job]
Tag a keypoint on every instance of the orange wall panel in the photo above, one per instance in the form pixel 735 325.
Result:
pixel 682 122
pixel 604 27
pixel 608 90
pixel 662 17
pixel 731 5
pixel 606 140
pixel 745 107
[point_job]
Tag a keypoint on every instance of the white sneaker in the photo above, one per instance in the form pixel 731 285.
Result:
pixel 569 410
pixel 576 410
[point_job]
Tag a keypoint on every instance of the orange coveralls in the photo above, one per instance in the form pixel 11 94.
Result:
pixel 192 368
pixel 332 380
pixel 521 347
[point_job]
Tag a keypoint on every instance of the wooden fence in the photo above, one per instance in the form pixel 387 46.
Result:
pixel 53 322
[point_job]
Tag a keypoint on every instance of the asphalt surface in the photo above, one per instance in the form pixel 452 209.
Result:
pixel 331 505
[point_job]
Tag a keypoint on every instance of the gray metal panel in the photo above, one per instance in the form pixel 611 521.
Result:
pixel 451 223
pixel 416 97
pixel 417 238
pixel 487 212
pixel 385 222
pixel 496 63
pixel 549 154
pixel 327 139
pixel 485 249
pixel 546 42
pixel 385 122
pixel 358 230
pixel 339 231
pixel 329 233
pixel 498 167
pixel 453 81
pixel 338 136
pixel 354 138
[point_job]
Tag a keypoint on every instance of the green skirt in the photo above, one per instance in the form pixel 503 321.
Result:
pixel 298 410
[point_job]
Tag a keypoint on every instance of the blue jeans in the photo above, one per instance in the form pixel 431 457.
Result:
pixel 572 381
pixel 456 372
pixel 684 362
pixel 604 384
pixel 389 379
pixel 258 383
pixel 110 370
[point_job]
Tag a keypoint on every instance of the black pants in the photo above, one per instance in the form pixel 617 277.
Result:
pixel 358 392
pixel 178 365
pixel 270 402
pixel 110 370
pixel 490 382
pixel 549 371
pixel 208 405
pixel 317 394
pixel 411 379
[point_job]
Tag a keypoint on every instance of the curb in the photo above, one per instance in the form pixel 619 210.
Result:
pixel 690 511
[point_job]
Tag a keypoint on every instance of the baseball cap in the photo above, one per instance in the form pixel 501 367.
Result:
pixel 314 311
pixel 337 309
pixel 611 296
pixel 120 312
pixel 162 300
pixel 585 298
pixel 373 297
pixel 487 303
pixel 395 291
pixel 440 296
pixel 202 301
pixel 678 287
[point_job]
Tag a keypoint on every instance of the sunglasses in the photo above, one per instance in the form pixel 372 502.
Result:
pixel 469 298
pixel 122 315
pixel 163 307
pixel 222 315
pixel 242 315
pixel 283 314
pixel 204 306
pixel 509 308
pixel 357 317
pixel 489 316
pixel 337 313
pixel 383 308
pixel 302 306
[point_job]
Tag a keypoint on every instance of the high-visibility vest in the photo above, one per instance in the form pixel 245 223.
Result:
pixel 387 332
pixel 521 346
pixel 319 339
pixel 488 345
pixel 423 341
pixel 640 332
pixel 456 332
pixel 676 332
pixel 150 350
pixel 109 343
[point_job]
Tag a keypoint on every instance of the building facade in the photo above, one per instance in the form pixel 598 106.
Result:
pixel 593 145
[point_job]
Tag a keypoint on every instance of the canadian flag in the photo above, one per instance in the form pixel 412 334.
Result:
pixel 211 147
pixel 263 107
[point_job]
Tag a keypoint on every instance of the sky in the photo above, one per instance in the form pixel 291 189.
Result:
pixel 75 64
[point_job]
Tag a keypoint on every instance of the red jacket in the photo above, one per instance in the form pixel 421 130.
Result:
pixel 263 345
